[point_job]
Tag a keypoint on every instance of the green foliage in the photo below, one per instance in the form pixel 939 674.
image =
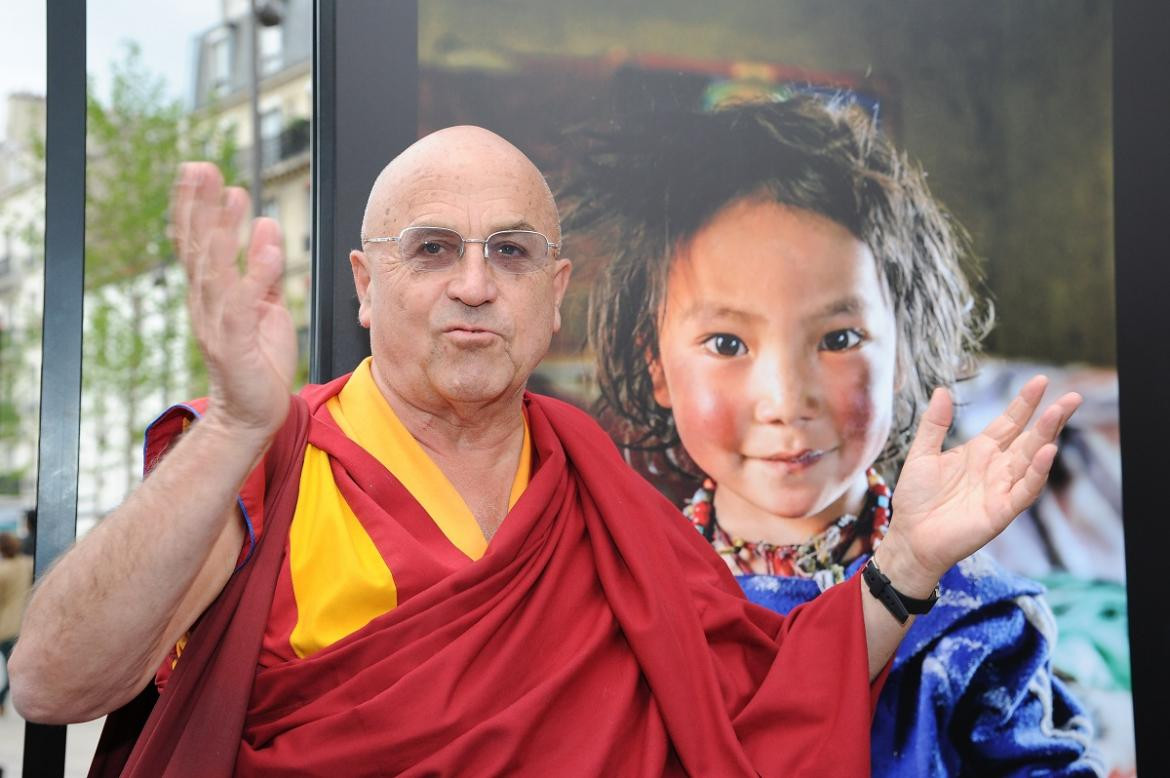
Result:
pixel 136 141
pixel 9 419
pixel 10 482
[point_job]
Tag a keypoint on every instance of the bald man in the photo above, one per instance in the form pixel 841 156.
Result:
pixel 421 569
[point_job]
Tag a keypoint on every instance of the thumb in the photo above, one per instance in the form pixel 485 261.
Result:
pixel 932 428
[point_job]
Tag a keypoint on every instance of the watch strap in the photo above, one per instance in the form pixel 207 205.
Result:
pixel 899 605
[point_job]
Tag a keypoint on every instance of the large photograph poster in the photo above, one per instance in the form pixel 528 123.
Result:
pixel 1005 108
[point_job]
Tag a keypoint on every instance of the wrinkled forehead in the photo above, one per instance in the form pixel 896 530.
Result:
pixel 462 183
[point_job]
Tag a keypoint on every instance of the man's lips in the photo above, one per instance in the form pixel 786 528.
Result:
pixel 469 329
pixel 470 336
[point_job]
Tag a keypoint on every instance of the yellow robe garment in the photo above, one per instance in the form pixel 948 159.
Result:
pixel 340 580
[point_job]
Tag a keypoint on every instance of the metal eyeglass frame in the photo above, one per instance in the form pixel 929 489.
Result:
pixel 549 245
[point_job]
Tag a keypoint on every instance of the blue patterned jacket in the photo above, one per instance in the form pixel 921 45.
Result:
pixel 971 690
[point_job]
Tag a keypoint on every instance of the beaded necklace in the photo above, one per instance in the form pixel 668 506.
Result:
pixel 821 557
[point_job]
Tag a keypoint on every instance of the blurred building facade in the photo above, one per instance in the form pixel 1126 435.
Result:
pixel 221 92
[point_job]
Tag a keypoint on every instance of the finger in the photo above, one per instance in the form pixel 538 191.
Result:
pixel 1006 427
pixel 264 250
pixel 217 270
pixel 1025 490
pixel 237 204
pixel 265 268
pixel 225 241
pixel 265 232
pixel 182 199
pixel 1069 403
pixel 1046 429
pixel 932 428
pixel 205 209
pixel 198 202
pixel 184 195
pixel 241 314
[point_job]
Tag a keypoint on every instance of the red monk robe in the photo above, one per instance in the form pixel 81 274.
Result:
pixel 598 635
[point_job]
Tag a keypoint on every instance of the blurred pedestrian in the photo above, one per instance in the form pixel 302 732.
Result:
pixel 28 545
pixel 16 574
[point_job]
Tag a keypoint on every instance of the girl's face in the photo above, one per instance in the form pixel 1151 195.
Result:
pixel 777 358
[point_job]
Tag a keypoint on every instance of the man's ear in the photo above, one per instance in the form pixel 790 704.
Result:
pixel 657 379
pixel 564 269
pixel 361 283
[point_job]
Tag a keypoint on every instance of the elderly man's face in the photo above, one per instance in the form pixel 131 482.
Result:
pixel 471 334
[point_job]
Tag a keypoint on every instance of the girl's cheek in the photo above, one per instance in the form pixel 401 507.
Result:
pixel 862 396
pixel 703 404
pixel 858 408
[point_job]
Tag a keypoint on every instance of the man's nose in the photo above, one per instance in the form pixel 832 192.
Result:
pixel 472 282
pixel 784 389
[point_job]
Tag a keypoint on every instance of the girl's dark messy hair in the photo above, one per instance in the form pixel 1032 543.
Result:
pixel 647 184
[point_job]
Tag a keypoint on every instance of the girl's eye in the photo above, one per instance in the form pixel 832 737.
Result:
pixel 725 345
pixel 840 340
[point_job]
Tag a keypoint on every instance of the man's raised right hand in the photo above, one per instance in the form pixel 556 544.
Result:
pixel 239 319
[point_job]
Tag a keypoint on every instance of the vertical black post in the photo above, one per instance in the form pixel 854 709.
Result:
pixel 57 458
pixel 365 93
pixel 1141 113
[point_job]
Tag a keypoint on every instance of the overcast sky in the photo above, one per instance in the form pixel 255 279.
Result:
pixel 164 31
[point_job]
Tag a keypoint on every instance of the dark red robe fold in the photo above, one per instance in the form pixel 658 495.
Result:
pixel 599 635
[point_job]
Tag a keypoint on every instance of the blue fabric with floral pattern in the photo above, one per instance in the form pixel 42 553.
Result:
pixel 971 690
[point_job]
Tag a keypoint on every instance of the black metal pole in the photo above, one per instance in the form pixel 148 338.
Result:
pixel 57 458
pixel 365 93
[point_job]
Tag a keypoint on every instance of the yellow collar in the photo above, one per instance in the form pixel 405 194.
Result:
pixel 366 418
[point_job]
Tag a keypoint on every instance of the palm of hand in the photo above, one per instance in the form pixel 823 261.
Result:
pixel 253 364
pixel 948 504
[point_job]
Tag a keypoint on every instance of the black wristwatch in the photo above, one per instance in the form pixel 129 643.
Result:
pixel 896 603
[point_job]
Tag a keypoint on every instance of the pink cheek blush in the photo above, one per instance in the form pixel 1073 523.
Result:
pixel 859 418
pixel 859 409
pixel 704 413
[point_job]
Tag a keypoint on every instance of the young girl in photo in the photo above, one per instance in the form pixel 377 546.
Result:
pixel 782 296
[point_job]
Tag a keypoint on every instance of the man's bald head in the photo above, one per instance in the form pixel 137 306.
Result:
pixel 454 158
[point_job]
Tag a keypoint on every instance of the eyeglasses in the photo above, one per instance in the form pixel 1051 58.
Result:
pixel 428 249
